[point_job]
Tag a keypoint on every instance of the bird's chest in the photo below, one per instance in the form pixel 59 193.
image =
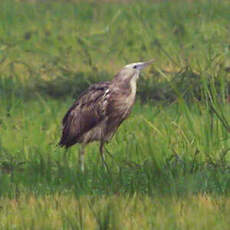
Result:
pixel 125 100
pixel 130 95
pixel 127 103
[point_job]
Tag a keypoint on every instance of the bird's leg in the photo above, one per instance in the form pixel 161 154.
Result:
pixel 81 158
pixel 109 153
pixel 65 156
pixel 103 156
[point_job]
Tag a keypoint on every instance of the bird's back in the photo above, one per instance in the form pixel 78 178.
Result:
pixel 86 112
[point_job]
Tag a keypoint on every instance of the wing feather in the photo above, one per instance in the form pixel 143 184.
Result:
pixel 87 111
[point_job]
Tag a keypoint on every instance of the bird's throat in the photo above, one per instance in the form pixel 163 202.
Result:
pixel 133 86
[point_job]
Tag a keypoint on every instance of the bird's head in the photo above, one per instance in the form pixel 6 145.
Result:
pixel 138 65
pixel 130 72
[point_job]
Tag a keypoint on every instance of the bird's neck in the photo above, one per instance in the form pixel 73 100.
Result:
pixel 133 85
pixel 126 85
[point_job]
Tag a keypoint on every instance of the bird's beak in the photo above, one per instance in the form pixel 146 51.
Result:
pixel 147 63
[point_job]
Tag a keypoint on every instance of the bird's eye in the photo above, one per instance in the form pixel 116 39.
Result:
pixel 135 66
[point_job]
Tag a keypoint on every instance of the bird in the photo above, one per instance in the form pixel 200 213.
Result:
pixel 99 110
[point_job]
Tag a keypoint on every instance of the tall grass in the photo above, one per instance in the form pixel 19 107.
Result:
pixel 169 162
pixel 65 212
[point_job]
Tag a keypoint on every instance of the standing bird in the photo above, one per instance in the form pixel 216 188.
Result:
pixel 99 110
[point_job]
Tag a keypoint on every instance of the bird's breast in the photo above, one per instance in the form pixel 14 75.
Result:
pixel 124 103
pixel 130 94
pixel 133 89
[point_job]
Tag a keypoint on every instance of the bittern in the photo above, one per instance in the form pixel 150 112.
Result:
pixel 100 110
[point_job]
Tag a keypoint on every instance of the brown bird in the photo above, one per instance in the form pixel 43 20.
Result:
pixel 100 110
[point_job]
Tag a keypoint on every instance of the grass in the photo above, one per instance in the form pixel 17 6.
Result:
pixel 170 160
pixel 65 212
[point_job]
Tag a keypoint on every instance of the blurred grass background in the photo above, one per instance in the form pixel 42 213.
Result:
pixel 170 166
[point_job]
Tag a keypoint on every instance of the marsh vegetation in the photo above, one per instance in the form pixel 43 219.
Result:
pixel 170 164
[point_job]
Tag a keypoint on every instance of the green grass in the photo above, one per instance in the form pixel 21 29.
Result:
pixel 170 164
pixel 115 212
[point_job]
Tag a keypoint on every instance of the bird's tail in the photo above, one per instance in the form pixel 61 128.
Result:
pixel 66 141
pixel 63 142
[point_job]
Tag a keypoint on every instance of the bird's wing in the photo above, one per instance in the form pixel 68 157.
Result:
pixel 87 111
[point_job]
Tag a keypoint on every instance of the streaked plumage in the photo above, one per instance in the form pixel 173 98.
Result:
pixel 99 111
